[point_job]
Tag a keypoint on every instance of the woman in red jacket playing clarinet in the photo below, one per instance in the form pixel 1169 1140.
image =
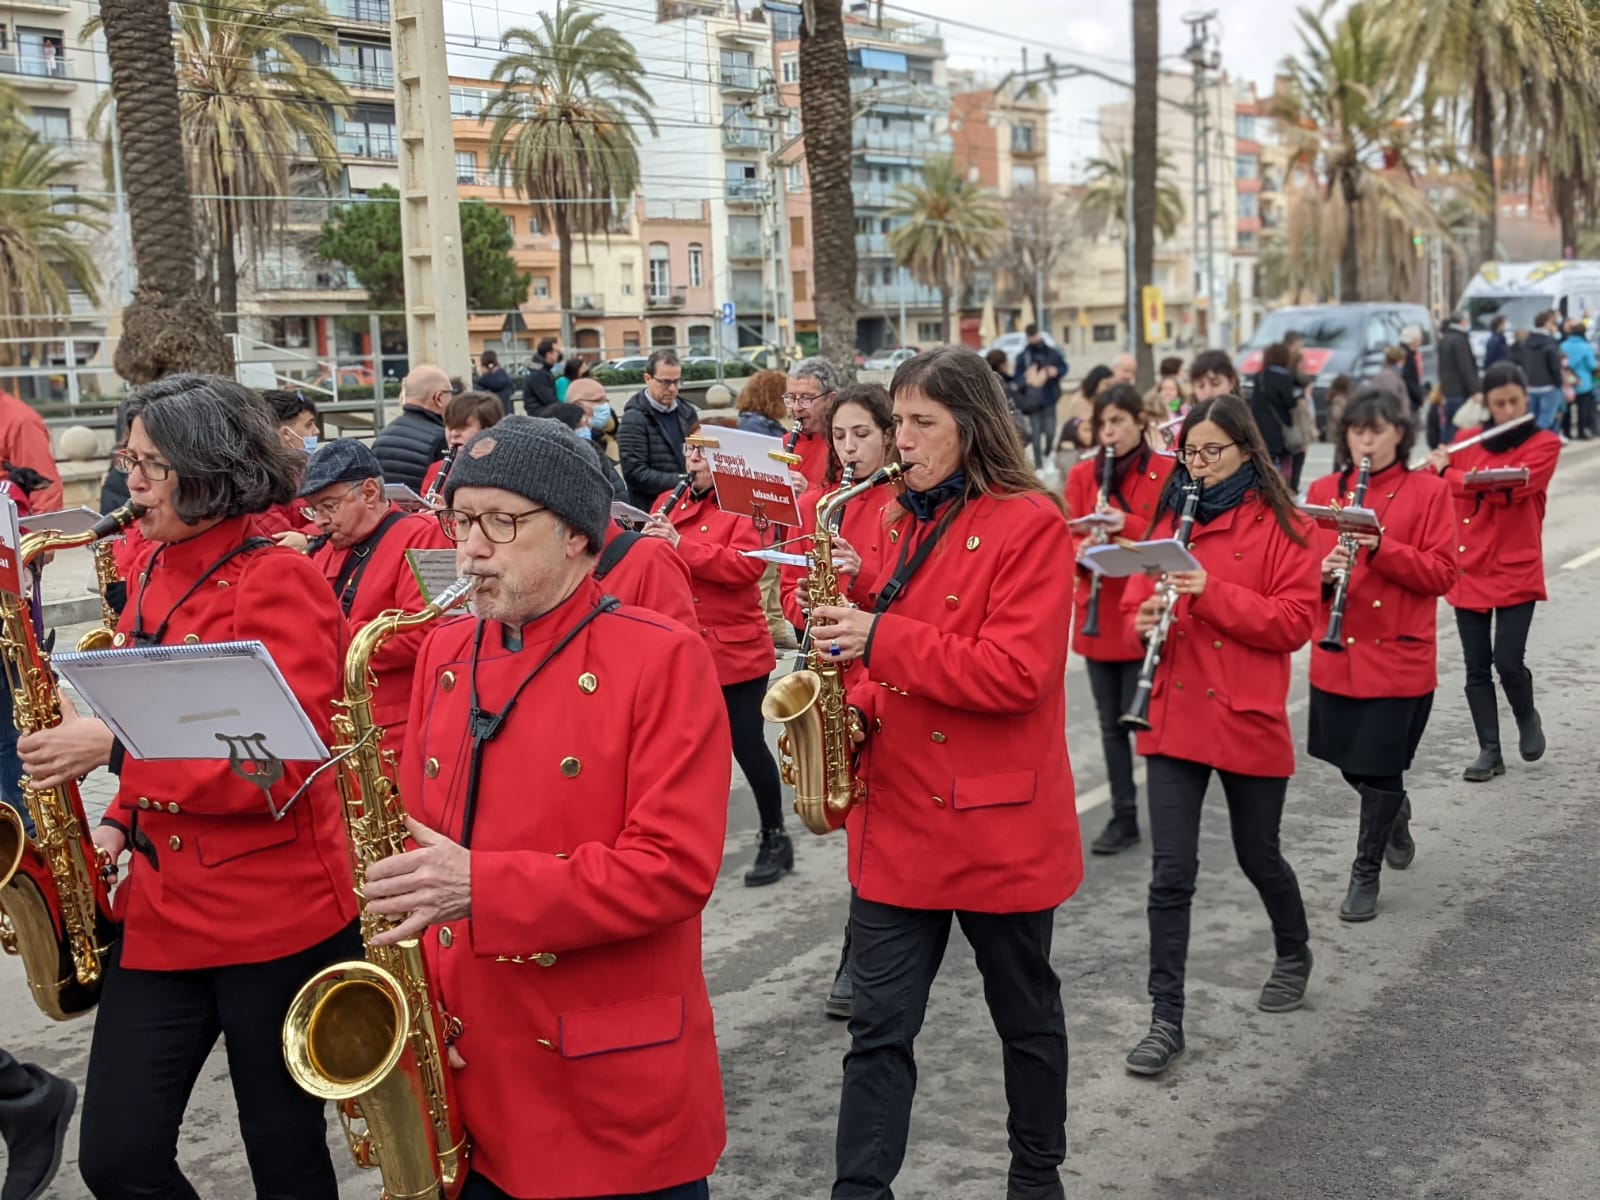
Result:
pixel 727 600
pixel 1113 654
pixel 1373 676
pixel 1218 703
pixel 1501 559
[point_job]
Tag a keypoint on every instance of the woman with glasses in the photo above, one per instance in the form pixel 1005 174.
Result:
pixel 226 908
pixel 1370 698
pixel 1113 655
pixel 1218 705
pixel 727 599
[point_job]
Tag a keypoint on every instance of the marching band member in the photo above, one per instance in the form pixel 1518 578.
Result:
pixel 860 427
pixel 812 383
pixel 646 573
pixel 465 416
pixel 1370 699
pixel 579 833
pixel 225 911
pixel 727 600
pixel 968 808
pixel 1218 703
pixel 364 560
pixel 1501 559
pixel 1121 426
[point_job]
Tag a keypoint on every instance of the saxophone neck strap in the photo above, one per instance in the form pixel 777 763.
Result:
pixel 909 562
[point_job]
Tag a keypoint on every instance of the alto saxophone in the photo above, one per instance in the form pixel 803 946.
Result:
pixel 106 577
pixel 370 1035
pixel 815 745
pixel 55 908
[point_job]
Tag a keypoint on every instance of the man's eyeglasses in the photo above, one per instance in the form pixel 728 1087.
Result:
pixel 1210 452
pixel 793 398
pixel 498 527
pixel 666 383
pixel 327 508
pixel 152 469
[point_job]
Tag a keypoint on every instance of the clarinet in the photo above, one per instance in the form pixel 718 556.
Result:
pixel 1138 716
pixel 436 488
pixel 1091 623
pixel 1333 640
pixel 674 496
pixel 790 441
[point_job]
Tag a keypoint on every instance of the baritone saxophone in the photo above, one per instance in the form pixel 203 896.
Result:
pixel 815 746
pixel 370 1035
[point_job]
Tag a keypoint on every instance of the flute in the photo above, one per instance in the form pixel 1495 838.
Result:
pixel 1493 431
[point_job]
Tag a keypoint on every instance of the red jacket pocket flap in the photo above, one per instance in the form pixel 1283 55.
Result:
pixel 630 1026
pixel 235 839
pixel 739 634
pixel 993 791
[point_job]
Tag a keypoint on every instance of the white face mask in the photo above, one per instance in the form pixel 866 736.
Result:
pixel 309 442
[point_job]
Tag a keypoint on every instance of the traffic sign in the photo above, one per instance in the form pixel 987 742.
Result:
pixel 727 313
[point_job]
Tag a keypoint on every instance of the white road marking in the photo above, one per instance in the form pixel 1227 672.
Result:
pixel 1583 560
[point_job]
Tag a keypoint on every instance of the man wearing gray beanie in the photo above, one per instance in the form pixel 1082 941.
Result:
pixel 567 782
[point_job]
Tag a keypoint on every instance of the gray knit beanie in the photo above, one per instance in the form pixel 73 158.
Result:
pixel 545 462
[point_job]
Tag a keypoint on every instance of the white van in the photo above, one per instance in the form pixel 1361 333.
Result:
pixel 1521 291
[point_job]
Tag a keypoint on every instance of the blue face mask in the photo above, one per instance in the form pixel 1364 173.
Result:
pixel 601 417
pixel 583 432
pixel 310 443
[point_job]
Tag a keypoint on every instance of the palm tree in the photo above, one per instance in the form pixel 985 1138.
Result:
pixel 825 115
pixel 1105 200
pixel 945 226
pixel 564 127
pixel 41 236
pixel 171 324
pixel 1146 163
pixel 1357 130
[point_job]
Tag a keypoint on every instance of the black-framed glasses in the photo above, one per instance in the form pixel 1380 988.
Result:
pixel 327 508
pixel 667 383
pixel 498 527
pixel 152 469
pixel 1210 452
pixel 793 398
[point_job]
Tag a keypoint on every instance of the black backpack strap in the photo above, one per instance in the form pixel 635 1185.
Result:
pixel 614 552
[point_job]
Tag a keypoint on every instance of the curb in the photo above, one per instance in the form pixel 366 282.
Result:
pixel 73 611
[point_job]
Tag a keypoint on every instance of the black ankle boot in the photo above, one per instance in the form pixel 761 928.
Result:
pixel 1285 989
pixel 1484 705
pixel 842 993
pixel 1401 849
pixel 1119 833
pixel 1157 1050
pixel 1530 731
pixel 1378 811
pixel 774 858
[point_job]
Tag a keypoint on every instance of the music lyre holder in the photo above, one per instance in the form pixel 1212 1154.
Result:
pixel 251 761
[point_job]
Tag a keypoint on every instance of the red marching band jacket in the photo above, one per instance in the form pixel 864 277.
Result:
pixel 651 575
pixel 1391 609
pixel 1499 547
pixel 726 584
pixel 1137 494
pixel 1221 691
pixel 585 1023
pixel 214 879
pixel 863 527
pixel 968 786
pixel 812 450
pixel 388 583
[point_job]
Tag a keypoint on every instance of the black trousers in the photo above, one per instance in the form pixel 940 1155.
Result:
pixel 478 1188
pixel 1113 685
pixel 1176 789
pixel 894 956
pixel 1497 638
pixel 152 1034
pixel 1042 433
pixel 743 701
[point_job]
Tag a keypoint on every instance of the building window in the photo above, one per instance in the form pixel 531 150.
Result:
pixel 797 231
pixel 697 268
pixel 785 25
pixel 1249 205
pixel 801 292
pixel 789 68
pixel 1244 127
pixel 533 226
pixel 930 331
pixel 797 178
pixel 699 339
pixel 1022 137
pixel 1024 177
pixel 660 271
pixel 791 124
pixel 466 166
pixel 51 124
pixel 468 102
pixel 1105 333
pixel 663 335
pixel 1247 166
pixel 541 287
pixel 1247 241
pixel 630 341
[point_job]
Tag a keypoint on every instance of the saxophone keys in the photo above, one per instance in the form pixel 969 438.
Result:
pixel 120 640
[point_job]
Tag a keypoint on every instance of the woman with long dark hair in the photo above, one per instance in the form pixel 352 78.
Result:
pixel 1219 701
pixel 1113 655
pixel 966 806
pixel 1370 698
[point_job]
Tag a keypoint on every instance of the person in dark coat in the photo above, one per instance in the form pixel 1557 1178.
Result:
pixel 1272 404
pixel 494 379
pixel 411 443
pixel 539 384
pixel 1539 356
pixel 1039 371
pixel 652 430
pixel 1458 376
pixel 1497 348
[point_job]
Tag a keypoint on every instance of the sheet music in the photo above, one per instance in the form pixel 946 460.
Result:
pixel 1119 560
pixel 785 558
pixel 434 570
pixel 65 521
pixel 176 702
pixel 1497 477
pixel 627 515
pixel 401 494
pixel 1342 520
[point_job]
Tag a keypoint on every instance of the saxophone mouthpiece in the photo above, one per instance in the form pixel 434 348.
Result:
pixel 117 521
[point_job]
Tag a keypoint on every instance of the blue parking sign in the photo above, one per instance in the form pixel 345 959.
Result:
pixel 727 313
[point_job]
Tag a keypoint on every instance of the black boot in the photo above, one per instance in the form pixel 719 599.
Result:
pixel 35 1139
pixel 843 991
pixel 1530 732
pixel 1378 811
pixel 1401 849
pixel 1157 1050
pixel 1285 988
pixel 1120 833
pixel 1484 705
pixel 774 858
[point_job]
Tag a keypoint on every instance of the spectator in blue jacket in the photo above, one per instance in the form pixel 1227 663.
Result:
pixel 1581 362
pixel 1497 348
pixel 1038 375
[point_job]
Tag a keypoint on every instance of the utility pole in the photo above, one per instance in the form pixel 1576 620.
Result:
pixel 1204 57
pixel 430 217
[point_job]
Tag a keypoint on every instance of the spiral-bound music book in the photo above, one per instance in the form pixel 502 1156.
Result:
pixel 207 700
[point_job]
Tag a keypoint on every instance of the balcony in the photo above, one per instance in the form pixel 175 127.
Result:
pixel 739 79
pixel 1024 144
pixel 375 141
pixel 740 137
pixel 876 195
pixel 670 297
pixel 748 299
pixel 910 35
pixel 746 191
pixel 363 79
pixel 361 12
pixel 38 69
pixel 900 143
pixel 589 304
pixel 297 277
pixel 888 295
pixel 900 94
pixel 876 244
pixel 746 248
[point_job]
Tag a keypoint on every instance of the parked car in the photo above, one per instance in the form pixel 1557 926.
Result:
pixel 1340 339
pixel 889 357
pixel 349 377
pixel 635 362
pixel 1011 344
